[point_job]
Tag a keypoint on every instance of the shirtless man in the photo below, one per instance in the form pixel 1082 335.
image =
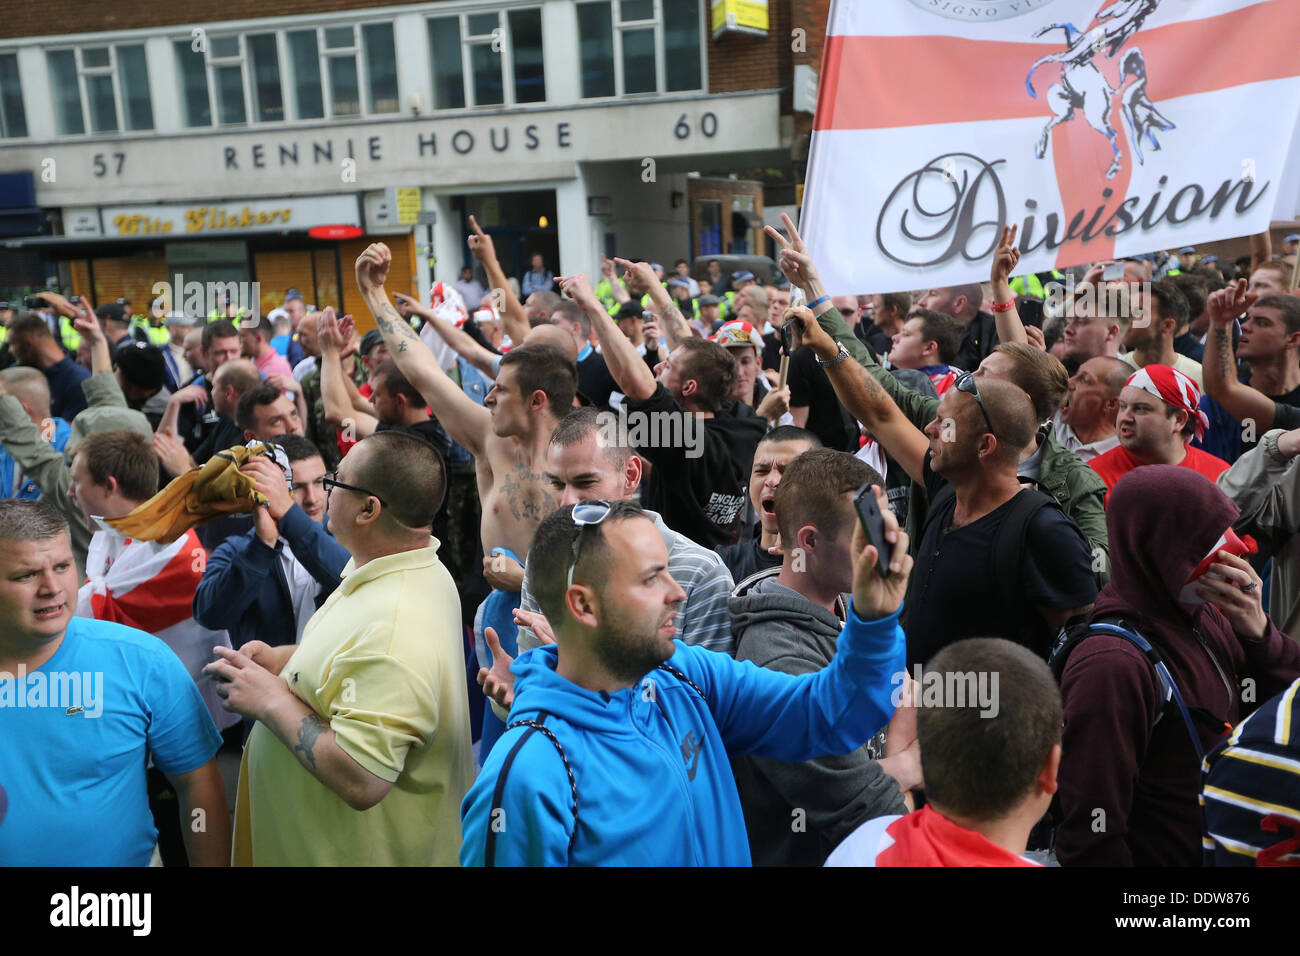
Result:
pixel 507 436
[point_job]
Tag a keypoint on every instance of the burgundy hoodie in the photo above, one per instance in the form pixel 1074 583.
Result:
pixel 1129 792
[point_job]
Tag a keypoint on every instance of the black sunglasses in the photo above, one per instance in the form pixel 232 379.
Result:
pixel 331 482
pixel 966 383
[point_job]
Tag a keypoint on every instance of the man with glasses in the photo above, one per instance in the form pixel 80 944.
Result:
pixel 621 736
pixel 264 585
pixel 369 712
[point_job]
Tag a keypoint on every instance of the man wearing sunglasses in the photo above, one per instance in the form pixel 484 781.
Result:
pixel 621 737
pixel 980 538
pixel 369 712
pixel 1044 462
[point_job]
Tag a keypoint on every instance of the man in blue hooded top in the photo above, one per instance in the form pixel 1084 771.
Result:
pixel 619 740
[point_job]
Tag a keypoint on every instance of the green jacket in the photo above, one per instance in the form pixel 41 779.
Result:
pixel 1062 474
pixel 49 468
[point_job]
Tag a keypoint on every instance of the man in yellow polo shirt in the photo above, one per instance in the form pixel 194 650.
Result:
pixel 361 750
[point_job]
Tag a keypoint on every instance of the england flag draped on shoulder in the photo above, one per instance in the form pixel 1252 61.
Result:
pixel 150 586
pixel 1104 128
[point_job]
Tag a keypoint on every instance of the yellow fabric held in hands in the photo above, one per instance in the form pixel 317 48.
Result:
pixel 214 490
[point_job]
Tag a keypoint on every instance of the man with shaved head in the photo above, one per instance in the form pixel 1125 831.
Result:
pixel 1085 423
pixel 963 303
pixel 995 558
pixel 368 713
pixel 31 389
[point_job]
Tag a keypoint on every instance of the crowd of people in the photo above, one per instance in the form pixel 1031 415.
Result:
pixel 660 569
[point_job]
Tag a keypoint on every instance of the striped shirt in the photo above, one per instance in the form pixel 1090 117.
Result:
pixel 1250 799
pixel 702 619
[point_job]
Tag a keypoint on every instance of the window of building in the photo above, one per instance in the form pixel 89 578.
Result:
pixel 108 84
pixel 640 46
pixel 487 59
pixel 13 119
pixel 305 74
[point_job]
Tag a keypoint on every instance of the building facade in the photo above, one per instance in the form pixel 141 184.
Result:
pixel 149 140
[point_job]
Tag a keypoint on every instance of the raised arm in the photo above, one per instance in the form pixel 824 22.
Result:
pixel 461 341
pixel 797 266
pixel 863 396
pixel 513 319
pixel 631 374
pixel 1219 365
pixel 466 421
pixel 675 326
pixel 1005 316
pixel 616 287
pixel 338 404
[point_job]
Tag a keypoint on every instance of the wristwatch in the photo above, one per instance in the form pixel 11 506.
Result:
pixel 844 353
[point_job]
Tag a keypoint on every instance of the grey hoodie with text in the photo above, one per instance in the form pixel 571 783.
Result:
pixel 797 813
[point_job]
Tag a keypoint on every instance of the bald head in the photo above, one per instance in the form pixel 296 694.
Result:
pixel 31 388
pixel 1114 372
pixel 551 334
pixel 1012 415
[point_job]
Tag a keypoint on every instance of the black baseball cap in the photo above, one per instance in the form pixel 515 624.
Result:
pixel 112 311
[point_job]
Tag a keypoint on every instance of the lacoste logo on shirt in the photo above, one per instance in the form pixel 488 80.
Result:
pixel 690 748
pixel 75 710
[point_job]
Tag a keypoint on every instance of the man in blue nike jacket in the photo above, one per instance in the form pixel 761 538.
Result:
pixel 619 740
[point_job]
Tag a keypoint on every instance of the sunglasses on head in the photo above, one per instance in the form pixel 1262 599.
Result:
pixel 585 515
pixel 966 383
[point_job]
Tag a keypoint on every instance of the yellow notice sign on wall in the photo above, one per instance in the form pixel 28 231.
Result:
pixel 408 204
pixel 740 16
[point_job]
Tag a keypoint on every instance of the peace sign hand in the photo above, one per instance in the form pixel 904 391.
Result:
pixel 796 264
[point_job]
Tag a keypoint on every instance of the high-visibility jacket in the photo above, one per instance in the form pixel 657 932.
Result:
pixel 1031 285
pixel 68 334
pixel 156 334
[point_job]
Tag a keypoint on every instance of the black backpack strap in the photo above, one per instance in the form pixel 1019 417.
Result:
pixel 1009 556
pixel 539 727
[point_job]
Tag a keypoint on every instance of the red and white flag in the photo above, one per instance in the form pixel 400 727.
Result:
pixel 1103 128
pixel 150 587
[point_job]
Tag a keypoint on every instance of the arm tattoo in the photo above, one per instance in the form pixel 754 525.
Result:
pixel 311 730
pixel 674 319
pixel 1225 352
pixel 390 323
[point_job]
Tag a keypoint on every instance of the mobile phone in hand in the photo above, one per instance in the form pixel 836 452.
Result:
pixel 1113 272
pixel 873 525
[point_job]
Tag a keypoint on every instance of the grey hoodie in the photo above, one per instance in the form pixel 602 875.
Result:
pixel 796 813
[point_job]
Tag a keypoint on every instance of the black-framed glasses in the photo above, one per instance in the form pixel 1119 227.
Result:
pixel 330 482
pixel 966 383
pixel 585 514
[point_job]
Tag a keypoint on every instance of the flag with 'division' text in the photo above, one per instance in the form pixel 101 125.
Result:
pixel 1103 128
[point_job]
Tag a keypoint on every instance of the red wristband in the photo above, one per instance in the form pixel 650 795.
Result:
pixel 1004 306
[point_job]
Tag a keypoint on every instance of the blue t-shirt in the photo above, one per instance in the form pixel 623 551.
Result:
pixel 72 762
